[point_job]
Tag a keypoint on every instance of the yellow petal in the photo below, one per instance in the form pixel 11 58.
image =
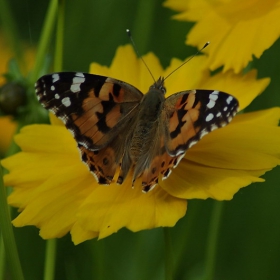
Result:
pixel 48 139
pixel 110 208
pixel 80 235
pixel 195 181
pixel 52 205
pixel 244 87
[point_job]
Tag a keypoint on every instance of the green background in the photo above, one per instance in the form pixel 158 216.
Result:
pixel 248 243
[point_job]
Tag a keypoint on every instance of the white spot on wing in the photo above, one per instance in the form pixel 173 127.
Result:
pixel 78 74
pixel 213 127
pixel 225 108
pixel 75 88
pixel 218 114
pixel 77 81
pixel 63 118
pixel 211 104
pixel 55 77
pixel 85 145
pixel 214 95
pixel 212 99
pixel 168 174
pixel 192 143
pixel 209 117
pixel 203 133
pixel 52 88
pixel 66 101
pixel 178 160
pixel 179 153
pixel 56 96
pixel 229 99
pixel 152 187
pixel 94 175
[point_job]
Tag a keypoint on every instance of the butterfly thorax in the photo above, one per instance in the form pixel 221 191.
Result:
pixel 147 122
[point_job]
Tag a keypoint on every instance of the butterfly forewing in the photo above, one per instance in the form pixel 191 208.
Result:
pixel 192 114
pixel 94 108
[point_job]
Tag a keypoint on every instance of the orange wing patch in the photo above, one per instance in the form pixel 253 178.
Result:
pixel 103 163
pixel 160 166
pixel 100 163
pixel 182 111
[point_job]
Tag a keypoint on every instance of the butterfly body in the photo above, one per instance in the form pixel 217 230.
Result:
pixel 115 125
pixel 146 123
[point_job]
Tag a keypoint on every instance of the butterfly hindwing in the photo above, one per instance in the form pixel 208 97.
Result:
pixel 103 163
pixel 161 164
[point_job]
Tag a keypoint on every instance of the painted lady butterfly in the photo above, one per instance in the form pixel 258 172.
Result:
pixel 115 125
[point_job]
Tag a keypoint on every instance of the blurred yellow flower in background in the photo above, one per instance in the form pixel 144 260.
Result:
pixel 237 29
pixel 7 124
pixel 7 130
pixel 55 191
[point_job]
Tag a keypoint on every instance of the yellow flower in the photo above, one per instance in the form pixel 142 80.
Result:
pixel 55 191
pixel 237 29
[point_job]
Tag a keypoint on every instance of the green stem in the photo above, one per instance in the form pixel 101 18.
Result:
pixel 49 273
pixel 185 234
pixel 8 235
pixel 169 260
pixel 58 56
pixel 45 40
pixel 143 28
pixel 50 260
pixel 211 250
pixel 2 258
pixel 10 29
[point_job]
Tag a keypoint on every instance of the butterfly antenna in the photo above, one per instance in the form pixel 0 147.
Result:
pixel 134 45
pixel 205 45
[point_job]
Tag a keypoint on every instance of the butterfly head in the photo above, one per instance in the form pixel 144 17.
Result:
pixel 159 85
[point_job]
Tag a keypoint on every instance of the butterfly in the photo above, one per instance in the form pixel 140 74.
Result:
pixel 117 126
